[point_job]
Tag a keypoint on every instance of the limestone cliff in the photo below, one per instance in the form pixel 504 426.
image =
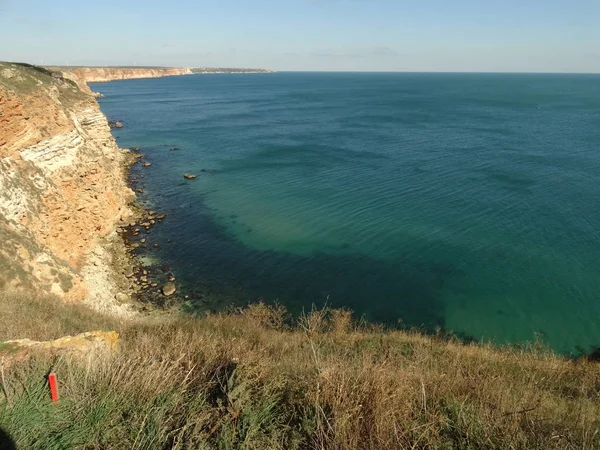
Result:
pixel 102 74
pixel 62 188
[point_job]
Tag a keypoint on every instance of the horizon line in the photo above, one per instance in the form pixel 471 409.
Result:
pixel 117 66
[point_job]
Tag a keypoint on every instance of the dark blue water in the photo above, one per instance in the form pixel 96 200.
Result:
pixel 468 202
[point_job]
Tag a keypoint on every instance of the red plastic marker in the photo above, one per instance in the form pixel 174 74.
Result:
pixel 53 387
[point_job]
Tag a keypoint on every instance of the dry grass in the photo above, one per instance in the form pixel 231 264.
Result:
pixel 247 380
pixel 26 315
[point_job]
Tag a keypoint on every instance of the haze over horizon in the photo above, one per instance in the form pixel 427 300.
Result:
pixel 328 35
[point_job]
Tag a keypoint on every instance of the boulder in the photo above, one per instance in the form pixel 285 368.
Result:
pixel 93 343
pixel 146 164
pixel 189 176
pixel 122 298
pixel 169 289
pixel 114 124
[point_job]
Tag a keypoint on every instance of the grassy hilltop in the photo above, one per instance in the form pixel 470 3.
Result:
pixel 254 379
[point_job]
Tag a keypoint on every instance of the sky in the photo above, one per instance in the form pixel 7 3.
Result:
pixel 332 35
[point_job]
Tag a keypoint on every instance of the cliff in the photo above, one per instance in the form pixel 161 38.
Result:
pixel 62 189
pixel 84 75
pixel 103 74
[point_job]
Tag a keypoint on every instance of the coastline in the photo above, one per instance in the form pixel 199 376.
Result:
pixel 86 75
pixel 253 377
pixel 63 192
pixel 68 216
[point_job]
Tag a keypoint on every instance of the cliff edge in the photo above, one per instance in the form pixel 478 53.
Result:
pixel 104 74
pixel 62 189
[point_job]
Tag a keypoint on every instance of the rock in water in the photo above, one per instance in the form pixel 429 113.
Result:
pixel 174 148
pixel 114 124
pixel 169 289
pixel 146 164
pixel 189 176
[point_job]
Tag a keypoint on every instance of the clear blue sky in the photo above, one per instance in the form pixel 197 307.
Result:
pixel 397 35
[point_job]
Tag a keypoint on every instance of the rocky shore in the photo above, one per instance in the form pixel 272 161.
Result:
pixel 68 219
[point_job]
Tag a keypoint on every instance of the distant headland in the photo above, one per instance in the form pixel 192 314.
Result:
pixel 104 74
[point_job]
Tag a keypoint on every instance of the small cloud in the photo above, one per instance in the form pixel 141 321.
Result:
pixel 384 51
pixel 357 53
pixel 336 54
pixel 34 22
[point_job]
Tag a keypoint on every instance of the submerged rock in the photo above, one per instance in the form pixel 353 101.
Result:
pixel 114 124
pixel 594 356
pixel 174 148
pixel 189 176
pixel 169 289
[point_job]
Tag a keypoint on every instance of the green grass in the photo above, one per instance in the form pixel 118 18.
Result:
pixel 254 379
pixel 27 79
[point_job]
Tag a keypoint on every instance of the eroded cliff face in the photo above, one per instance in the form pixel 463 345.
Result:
pixel 62 189
pixel 102 74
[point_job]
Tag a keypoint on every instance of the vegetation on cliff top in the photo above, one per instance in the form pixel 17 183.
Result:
pixel 255 379
pixel 27 79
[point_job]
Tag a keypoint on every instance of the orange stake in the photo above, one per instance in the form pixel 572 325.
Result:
pixel 53 387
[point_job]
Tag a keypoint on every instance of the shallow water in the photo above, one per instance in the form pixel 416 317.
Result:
pixel 462 201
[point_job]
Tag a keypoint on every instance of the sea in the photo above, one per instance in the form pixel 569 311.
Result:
pixel 458 203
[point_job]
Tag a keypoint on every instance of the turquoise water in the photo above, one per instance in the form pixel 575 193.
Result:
pixel 468 202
